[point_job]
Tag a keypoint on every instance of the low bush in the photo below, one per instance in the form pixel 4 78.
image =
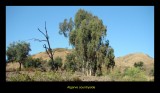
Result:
pixel 99 73
pixel 115 75
pixel 31 62
pixel 70 64
pixel 129 74
pixel 134 74
pixel 151 72
pixel 139 65
pixel 76 79
pixel 57 62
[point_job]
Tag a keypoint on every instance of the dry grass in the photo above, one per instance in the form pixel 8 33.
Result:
pixel 13 66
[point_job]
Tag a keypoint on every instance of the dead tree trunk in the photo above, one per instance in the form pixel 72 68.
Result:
pixel 48 50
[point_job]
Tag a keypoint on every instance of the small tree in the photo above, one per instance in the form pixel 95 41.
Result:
pixel 18 52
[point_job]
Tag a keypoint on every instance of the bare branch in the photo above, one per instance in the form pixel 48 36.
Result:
pixel 45 46
pixel 37 40
pixel 45 26
pixel 40 40
pixel 46 50
pixel 46 30
pixel 41 32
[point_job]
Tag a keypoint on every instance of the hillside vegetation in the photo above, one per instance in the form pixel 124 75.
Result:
pixel 117 74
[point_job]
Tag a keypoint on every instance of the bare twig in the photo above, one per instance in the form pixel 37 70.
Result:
pixel 41 32
pixel 37 40
pixel 40 40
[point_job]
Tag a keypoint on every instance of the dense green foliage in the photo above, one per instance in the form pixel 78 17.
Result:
pixel 134 74
pixel 129 74
pixel 70 62
pixel 31 62
pixel 151 72
pixel 138 64
pixel 87 35
pixel 18 52
pixel 57 63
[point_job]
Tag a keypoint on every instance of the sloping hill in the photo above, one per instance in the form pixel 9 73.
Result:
pixel 130 59
pixel 124 61
pixel 61 52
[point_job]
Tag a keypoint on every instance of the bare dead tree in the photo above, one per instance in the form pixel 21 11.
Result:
pixel 48 49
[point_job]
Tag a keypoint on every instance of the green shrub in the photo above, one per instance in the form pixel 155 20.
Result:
pixel 131 71
pixel 70 63
pixel 31 62
pixel 116 75
pixel 151 72
pixel 99 73
pixel 138 64
pixel 134 74
pixel 76 79
pixel 57 62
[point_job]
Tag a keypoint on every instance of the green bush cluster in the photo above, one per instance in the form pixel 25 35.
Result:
pixel 99 73
pixel 31 62
pixel 70 64
pixel 134 74
pixel 57 62
pixel 139 64
pixel 129 74
pixel 151 72
pixel 116 74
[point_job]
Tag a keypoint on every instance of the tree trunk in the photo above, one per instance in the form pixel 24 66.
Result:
pixel 87 69
pixel 94 69
pixel 49 51
pixel 83 67
pixel 20 66
pixel 90 71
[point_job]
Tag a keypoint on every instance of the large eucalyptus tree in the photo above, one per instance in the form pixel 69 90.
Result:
pixel 87 36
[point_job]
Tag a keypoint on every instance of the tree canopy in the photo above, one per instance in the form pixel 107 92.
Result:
pixel 18 52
